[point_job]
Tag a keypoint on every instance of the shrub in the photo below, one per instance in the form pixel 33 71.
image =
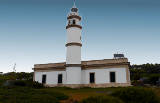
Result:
pixel 30 95
pixel 2 82
pixel 37 85
pixel 23 83
pixel 136 95
pixel 101 99
pixel 19 83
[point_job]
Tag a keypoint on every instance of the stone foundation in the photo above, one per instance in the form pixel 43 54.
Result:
pixel 90 85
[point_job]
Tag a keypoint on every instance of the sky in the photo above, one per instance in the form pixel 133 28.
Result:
pixel 33 31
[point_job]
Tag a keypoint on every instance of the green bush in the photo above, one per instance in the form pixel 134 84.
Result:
pixel 29 95
pixel 19 83
pixel 24 83
pixel 136 95
pixel 37 85
pixel 101 99
pixel 2 82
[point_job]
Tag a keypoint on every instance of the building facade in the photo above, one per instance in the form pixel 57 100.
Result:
pixel 76 73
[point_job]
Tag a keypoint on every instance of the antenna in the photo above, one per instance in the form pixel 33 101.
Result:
pixel 14 68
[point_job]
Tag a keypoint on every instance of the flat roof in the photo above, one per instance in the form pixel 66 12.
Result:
pixel 84 64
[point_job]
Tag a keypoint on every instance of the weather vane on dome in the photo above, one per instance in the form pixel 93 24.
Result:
pixel 74 8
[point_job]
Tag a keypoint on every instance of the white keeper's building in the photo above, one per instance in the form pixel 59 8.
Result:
pixel 76 73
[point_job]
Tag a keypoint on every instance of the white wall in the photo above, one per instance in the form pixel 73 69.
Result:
pixel 102 75
pixel 73 35
pixel 73 55
pixel 73 75
pixel 52 77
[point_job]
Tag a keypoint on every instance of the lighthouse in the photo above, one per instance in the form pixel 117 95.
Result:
pixel 76 73
pixel 73 47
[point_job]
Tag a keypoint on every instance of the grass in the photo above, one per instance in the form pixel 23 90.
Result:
pixel 55 95
pixel 83 93
pixel 29 95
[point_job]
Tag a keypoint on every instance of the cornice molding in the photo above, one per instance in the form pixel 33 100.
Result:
pixel 73 65
pixel 92 64
pixel 73 43
pixel 74 16
pixel 73 25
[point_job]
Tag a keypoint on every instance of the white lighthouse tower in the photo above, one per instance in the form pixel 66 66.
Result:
pixel 75 73
pixel 73 45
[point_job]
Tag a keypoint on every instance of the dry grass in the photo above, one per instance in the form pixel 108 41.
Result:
pixel 80 94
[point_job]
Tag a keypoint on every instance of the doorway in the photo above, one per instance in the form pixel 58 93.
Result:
pixel 59 78
pixel 92 77
pixel 112 77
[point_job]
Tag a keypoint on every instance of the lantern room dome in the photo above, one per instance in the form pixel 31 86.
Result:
pixel 74 9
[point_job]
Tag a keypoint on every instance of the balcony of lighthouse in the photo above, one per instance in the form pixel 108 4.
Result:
pixel 73 14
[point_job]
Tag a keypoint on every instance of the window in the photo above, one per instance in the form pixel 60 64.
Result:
pixel 74 22
pixel 59 78
pixel 92 77
pixel 44 79
pixel 69 22
pixel 112 77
